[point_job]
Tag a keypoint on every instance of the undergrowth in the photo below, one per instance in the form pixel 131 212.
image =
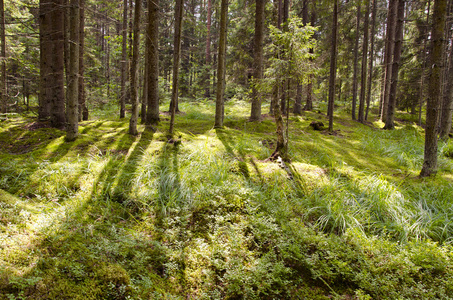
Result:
pixel 111 216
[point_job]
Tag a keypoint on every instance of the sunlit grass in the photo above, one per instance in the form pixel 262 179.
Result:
pixel 117 216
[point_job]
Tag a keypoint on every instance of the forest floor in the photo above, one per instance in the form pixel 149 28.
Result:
pixel 113 216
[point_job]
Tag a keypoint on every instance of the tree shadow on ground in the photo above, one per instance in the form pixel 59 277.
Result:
pixel 88 250
pixel 239 155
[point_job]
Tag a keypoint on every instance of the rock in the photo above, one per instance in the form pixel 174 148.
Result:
pixel 317 125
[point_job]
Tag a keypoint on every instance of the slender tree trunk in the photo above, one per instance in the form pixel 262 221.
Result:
pixel 434 92
pixel 309 99
pixel 284 26
pixel 45 51
pixel 152 113
pixel 208 51
pixel 3 59
pixel 123 62
pixel 333 65
pixel 370 66
pixel 66 41
pixel 388 60
pixel 389 123
pixel 145 86
pixel 107 59
pixel 56 84
pixel 363 85
pixel 422 79
pixel 258 60
pixel 134 70
pixel 176 58
pixel 219 111
pixel 447 105
pixel 280 147
pixel 72 128
pixel 356 62
pixel 277 107
pixel 297 109
pixel 83 108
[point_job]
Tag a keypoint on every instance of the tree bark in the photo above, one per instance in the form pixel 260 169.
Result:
pixel 333 64
pixel 280 147
pixel 72 128
pixel 297 109
pixel 83 108
pixel 45 50
pixel 370 66
pixel 356 63
pixel 363 84
pixel 134 70
pixel 152 112
pixel 3 59
pixel 388 61
pixel 56 65
pixel 208 51
pixel 176 58
pixel 258 60
pixel 447 103
pixel 145 85
pixel 389 123
pixel 422 79
pixel 123 62
pixel 219 109
pixel 309 99
pixel 434 92
pixel 284 25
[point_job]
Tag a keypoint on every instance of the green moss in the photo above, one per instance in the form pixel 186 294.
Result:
pixel 111 216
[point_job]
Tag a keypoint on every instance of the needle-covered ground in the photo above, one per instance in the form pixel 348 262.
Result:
pixel 113 216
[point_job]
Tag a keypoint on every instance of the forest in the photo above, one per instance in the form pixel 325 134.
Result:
pixel 226 149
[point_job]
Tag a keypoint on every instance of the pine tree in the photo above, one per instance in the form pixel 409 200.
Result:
pixel 134 70
pixel 434 91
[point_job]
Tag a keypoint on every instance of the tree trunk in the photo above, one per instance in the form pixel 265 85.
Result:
pixel 145 85
pixel 56 65
pixel 363 85
pixel 447 103
pixel 258 60
pixel 45 52
pixel 356 62
pixel 370 66
pixel 388 61
pixel 219 110
pixel 66 42
pixel 309 100
pixel 134 70
pixel 333 65
pixel 297 109
pixel 152 113
pixel 284 26
pixel 3 59
pixel 107 58
pixel 83 109
pixel 208 51
pixel 72 128
pixel 280 148
pixel 123 62
pixel 434 92
pixel 422 79
pixel 389 123
pixel 176 58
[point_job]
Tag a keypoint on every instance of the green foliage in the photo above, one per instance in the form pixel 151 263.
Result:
pixel 290 53
pixel 112 216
